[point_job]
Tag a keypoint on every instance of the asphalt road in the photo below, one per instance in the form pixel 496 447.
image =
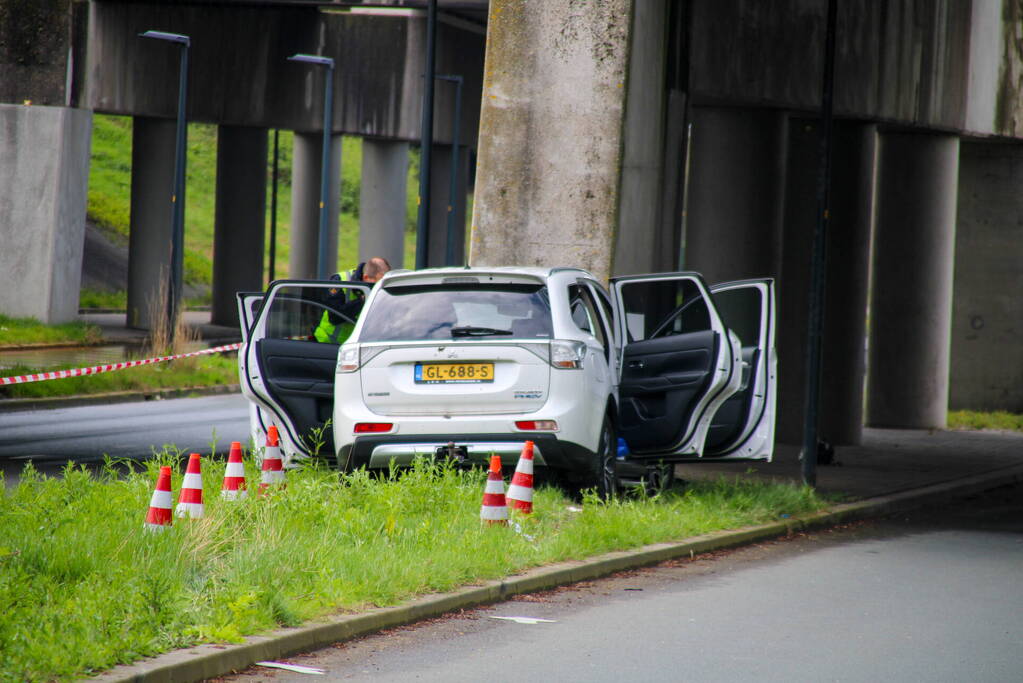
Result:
pixel 931 597
pixel 124 430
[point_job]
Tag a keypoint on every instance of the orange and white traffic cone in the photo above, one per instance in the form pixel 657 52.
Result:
pixel 273 466
pixel 495 508
pixel 159 514
pixel 234 487
pixel 520 491
pixel 190 499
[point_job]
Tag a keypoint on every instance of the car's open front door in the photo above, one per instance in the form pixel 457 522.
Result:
pixel 286 371
pixel 678 363
pixel 743 427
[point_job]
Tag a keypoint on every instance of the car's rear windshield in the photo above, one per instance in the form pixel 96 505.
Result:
pixel 458 311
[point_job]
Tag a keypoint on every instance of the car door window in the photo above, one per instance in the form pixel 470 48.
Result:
pixel 584 313
pixel 605 305
pixel 663 308
pixel 296 311
pixel 602 316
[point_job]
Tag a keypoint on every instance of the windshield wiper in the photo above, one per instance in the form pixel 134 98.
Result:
pixel 471 331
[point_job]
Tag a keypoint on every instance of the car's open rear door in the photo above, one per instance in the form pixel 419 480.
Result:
pixel 248 308
pixel 743 427
pixel 286 372
pixel 678 364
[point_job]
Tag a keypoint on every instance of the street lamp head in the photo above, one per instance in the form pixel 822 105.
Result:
pixel 313 59
pixel 169 37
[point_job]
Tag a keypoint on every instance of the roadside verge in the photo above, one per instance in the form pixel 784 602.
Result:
pixel 12 404
pixel 207 661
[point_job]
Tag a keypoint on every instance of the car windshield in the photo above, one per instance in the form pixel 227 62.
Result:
pixel 458 311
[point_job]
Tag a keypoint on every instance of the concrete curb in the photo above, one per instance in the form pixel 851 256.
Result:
pixel 13 404
pixel 208 661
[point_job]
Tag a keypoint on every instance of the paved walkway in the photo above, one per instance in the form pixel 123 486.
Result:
pixel 889 461
pixel 115 330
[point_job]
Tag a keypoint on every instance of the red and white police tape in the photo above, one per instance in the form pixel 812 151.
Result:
pixel 96 369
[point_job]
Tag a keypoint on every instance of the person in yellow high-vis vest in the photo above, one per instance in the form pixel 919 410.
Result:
pixel 335 329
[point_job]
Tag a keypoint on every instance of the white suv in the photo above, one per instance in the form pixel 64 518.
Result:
pixel 466 362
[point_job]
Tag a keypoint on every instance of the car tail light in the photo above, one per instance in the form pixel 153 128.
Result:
pixel 537 425
pixel 567 354
pixel 348 359
pixel 372 427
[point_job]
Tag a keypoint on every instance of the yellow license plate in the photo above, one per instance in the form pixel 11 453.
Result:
pixel 454 373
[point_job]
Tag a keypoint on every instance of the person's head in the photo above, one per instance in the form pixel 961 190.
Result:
pixel 374 269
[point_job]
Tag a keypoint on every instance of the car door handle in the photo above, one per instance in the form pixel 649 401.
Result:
pixel 635 364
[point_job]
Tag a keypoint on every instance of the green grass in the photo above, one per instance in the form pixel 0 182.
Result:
pixel 27 331
pixel 199 371
pixel 83 587
pixel 93 298
pixel 973 419
pixel 118 301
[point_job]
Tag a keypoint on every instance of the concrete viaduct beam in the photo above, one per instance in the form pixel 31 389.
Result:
pixel 241 76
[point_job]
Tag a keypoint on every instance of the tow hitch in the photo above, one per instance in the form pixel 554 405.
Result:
pixel 456 454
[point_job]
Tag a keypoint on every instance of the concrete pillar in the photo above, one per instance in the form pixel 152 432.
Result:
pixel 793 293
pixel 306 165
pixel 987 305
pixel 736 185
pixel 910 313
pixel 382 200
pixel 840 414
pixel 843 371
pixel 549 160
pixel 44 178
pixel 149 240
pixel 442 203
pixel 240 219
pixel 640 245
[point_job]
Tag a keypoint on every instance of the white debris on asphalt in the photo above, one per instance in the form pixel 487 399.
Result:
pixel 527 620
pixel 294 667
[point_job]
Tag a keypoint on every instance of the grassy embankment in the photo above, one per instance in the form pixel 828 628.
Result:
pixel 974 419
pixel 83 587
pixel 110 196
pixel 28 332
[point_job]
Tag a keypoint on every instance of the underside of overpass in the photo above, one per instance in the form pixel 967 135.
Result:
pixel 622 135
pixel 689 138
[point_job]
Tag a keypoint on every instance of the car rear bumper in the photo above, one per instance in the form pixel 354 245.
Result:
pixel 379 451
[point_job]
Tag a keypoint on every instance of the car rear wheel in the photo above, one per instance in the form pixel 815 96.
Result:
pixel 602 471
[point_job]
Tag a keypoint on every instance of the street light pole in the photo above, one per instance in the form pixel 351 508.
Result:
pixel 449 249
pixel 178 193
pixel 815 322
pixel 426 141
pixel 323 260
